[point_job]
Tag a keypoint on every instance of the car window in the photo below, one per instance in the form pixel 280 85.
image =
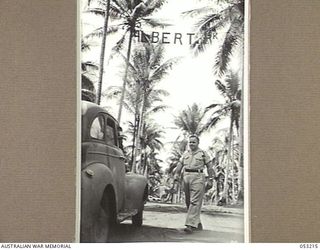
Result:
pixel 97 128
pixel 111 132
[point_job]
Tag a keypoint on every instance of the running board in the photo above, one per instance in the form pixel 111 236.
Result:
pixel 126 214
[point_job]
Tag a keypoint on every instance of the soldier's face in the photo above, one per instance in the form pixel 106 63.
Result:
pixel 193 143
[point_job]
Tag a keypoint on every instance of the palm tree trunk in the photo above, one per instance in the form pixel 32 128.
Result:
pixel 125 75
pixel 141 127
pixel 103 48
pixel 241 142
pixel 233 173
pixel 145 165
pixel 136 122
pixel 135 147
pixel 136 129
pixel 229 162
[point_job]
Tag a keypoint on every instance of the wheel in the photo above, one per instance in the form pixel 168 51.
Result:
pixel 138 218
pixel 100 224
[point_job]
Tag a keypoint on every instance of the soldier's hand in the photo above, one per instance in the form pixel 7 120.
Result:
pixel 209 184
pixel 175 186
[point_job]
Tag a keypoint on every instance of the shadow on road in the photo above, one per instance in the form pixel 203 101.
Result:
pixel 130 233
pixel 165 223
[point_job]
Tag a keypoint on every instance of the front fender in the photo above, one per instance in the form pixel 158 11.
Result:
pixel 136 191
pixel 94 180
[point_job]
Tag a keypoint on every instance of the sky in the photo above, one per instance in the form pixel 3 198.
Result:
pixel 190 81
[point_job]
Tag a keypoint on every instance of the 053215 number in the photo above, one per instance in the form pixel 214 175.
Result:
pixel 309 245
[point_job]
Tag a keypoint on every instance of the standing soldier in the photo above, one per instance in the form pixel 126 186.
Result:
pixel 193 162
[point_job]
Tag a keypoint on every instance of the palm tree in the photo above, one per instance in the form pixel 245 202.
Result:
pixel 190 120
pixel 132 16
pixel 211 22
pixel 230 108
pixel 150 144
pixel 103 48
pixel 224 174
pixel 147 70
pixel 133 104
pixel 88 69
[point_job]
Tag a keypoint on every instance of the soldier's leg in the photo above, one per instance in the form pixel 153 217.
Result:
pixel 196 197
pixel 186 188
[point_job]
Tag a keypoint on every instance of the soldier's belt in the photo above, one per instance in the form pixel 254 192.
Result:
pixel 194 170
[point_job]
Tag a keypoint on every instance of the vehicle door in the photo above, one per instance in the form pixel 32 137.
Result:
pixel 96 148
pixel 116 159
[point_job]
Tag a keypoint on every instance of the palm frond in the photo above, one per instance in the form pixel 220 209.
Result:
pixel 128 107
pixel 132 69
pixel 118 47
pixel 112 92
pixel 99 31
pixel 120 5
pixel 96 11
pixel 207 22
pixel 115 13
pixel 226 50
pixel 198 11
pixel 152 6
pixel 212 106
pixel 157 56
pixel 232 85
pixel 160 92
pixel 161 71
pixel 207 32
pixel 87 83
pixel 221 87
pixel 155 23
pixel 156 109
pixel 189 120
pixel 215 118
pixel 84 45
pixel 85 66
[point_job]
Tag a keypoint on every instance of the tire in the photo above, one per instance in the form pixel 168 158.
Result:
pixel 137 219
pixel 104 222
pixel 102 226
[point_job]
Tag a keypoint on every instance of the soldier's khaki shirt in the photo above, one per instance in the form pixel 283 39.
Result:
pixel 194 160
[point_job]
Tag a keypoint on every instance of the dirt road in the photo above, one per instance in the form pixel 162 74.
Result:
pixel 165 223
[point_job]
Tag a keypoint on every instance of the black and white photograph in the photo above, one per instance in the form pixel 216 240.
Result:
pixel 162 121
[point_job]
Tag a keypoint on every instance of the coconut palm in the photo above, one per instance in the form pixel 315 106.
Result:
pixel 190 120
pixel 227 17
pixel 231 92
pixel 88 69
pixel 150 144
pixel 227 178
pixel 147 69
pixel 133 104
pixel 132 16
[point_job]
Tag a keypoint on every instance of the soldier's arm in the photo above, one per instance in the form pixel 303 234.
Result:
pixel 178 170
pixel 210 170
pixel 209 166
